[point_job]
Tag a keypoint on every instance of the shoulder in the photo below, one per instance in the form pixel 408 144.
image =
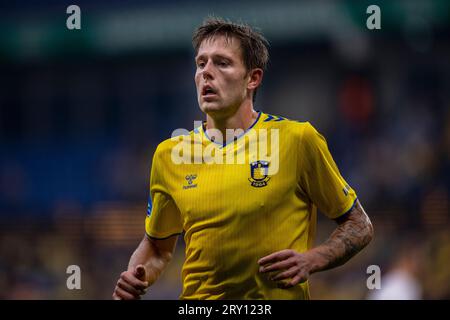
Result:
pixel 296 129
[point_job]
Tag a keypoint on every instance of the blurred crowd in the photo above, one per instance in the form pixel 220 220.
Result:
pixel 78 135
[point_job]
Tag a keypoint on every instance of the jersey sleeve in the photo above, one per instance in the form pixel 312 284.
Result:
pixel 163 217
pixel 320 178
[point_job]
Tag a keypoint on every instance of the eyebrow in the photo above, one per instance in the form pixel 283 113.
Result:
pixel 216 55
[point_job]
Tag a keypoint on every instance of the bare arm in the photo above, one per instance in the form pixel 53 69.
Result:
pixel 353 233
pixel 146 264
pixel 154 254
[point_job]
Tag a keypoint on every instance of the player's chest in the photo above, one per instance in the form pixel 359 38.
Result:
pixel 203 190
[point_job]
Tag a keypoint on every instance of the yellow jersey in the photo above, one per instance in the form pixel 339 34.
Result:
pixel 234 210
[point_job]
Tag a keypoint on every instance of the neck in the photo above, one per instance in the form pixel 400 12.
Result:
pixel 243 118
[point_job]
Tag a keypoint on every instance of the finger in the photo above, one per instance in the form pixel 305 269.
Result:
pixel 132 289
pixel 284 275
pixel 133 281
pixel 296 280
pixel 125 295
pixel 277 266
pixel 115 296
pixel 139 272
pixel 127 287
pixel 276 256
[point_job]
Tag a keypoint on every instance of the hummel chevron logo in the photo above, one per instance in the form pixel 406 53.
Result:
pixel 190 178
pixel 271 117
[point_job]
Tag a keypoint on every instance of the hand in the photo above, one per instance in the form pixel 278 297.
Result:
pixel 131 284
pixel 287 264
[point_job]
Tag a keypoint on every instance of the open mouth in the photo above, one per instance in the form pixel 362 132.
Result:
pixel 208 91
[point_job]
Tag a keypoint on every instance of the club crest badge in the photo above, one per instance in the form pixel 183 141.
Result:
pixel 259 173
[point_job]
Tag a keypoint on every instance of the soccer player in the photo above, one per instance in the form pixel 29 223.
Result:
pixel 248 227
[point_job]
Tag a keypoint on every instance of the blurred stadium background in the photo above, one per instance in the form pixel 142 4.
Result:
pixel 81 113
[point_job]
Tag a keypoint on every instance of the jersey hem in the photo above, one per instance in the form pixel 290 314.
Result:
pixel 347 211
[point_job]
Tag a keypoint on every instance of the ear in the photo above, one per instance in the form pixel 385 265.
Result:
pixel 254 78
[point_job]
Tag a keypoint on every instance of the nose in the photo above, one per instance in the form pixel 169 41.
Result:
pixel 206 72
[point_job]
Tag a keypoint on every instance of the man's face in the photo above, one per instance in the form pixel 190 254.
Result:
pixel 221 77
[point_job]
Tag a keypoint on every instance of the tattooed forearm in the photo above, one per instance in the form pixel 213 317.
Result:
pixel 354 232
